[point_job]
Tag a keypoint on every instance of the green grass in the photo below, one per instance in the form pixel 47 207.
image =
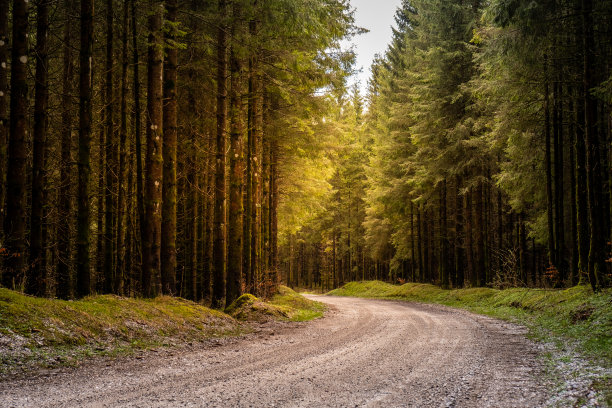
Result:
pixel 576 318
pixel 49 332
pixel 37 332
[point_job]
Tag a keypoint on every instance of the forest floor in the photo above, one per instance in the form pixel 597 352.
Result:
pixel 38 333
pixel 572 327
pixel 365 352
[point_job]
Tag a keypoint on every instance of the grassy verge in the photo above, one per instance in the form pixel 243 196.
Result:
pixel 36 332
pixel 285 305
pixel 574 319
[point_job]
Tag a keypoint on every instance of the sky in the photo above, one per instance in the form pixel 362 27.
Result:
pixel 376 16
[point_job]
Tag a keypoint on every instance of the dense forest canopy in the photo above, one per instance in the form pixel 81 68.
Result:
pixel 205 149
pixel 482 158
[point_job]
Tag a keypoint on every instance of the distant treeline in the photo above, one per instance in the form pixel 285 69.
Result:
pixel 483 157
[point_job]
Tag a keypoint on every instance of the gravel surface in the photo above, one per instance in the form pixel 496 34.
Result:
pixel 366 353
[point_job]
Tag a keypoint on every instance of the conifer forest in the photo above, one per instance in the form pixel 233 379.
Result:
pixel 205 149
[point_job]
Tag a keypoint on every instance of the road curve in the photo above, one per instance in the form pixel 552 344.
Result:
pixel 366 353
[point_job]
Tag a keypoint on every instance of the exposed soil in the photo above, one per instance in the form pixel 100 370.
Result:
pixel 369 353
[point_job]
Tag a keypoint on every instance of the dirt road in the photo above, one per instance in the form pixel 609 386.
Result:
pixel 365 353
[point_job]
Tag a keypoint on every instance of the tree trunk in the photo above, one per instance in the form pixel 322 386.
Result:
pixel 63 281
pixel 152 238
pixel 469 246
pixel 36 282
pixel 84 161
pixel 247 266
pixel 548 165
pixel 235 230
pixel 121 212
pixel 573 278
pixel 420 245
pixel 209 220
pixel 459 236
pixel 274 211
pixel 444 262
pixel 219 255
pixel 168 227
pixel 256 98
pixel 582 193
pixel 479 238
pixel 111 148
pixel 558 182
pixel 265 214
pixel 412 244
pixel 138 137
pixel 598 239
pixel 522 236
pixel 4 103
pixel 15 223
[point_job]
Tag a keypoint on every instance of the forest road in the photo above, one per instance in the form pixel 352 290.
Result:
pixel 364 353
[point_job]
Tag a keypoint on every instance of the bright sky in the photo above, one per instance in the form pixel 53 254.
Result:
pixel 378 17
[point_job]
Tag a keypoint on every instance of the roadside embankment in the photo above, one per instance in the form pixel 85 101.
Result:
pixel 37 332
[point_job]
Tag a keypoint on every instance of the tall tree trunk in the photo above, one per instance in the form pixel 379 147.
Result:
pixel 4 103
pixel 256 167
pixel 63 281
pixel 559 184
pixel 247 266
pixel 274 211
pixel 36 282
pixel 598 239
pixel 153 194
pixel 426 248
pixel 522 237
pixel 469 241
pixel 209 220
pixel 101 198
pixel 444 262
pixel 168 240
pixel 84 161
pixel 111 148
pixel 191 212
pixel 235 230
pixel 582 193
pixel 265 213
pixel 120 270
pixel 549 187
pixel 129 276
pixel 459 235
pixel 420 245
pixel 412 244
pixel 138 136
pixel 219 255
pixel 15 223
pixel 573 278
pixel 479 238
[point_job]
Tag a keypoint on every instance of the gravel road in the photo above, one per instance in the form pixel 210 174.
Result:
pixel 365 353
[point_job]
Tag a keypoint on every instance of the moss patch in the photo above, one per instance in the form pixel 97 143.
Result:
pixel 285 305
pixel 299 308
